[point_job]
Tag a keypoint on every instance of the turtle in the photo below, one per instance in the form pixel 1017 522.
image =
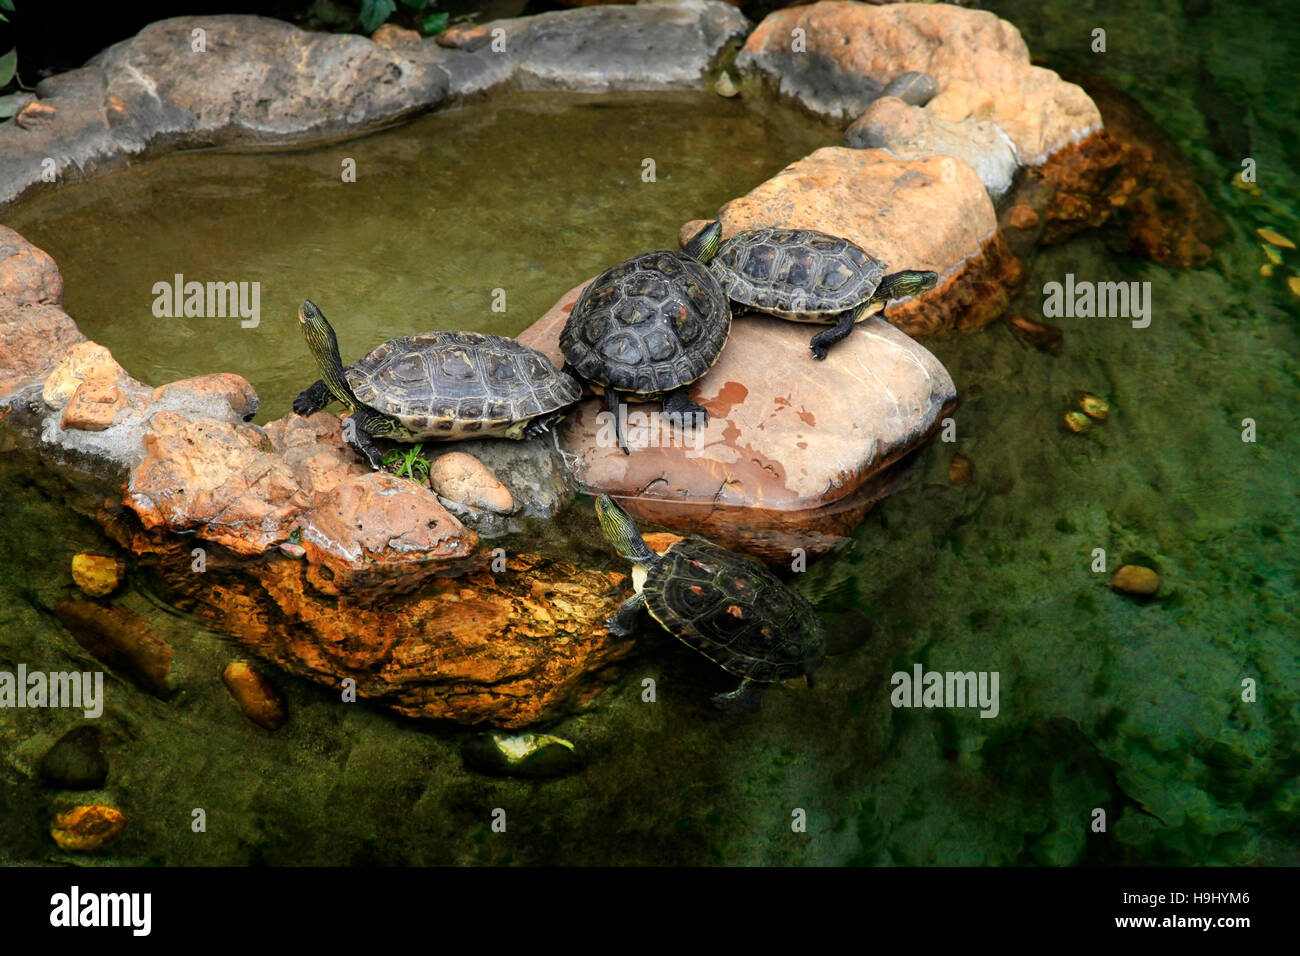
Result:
pixel 441 386
pixel 809 276
pixel 647 328
pixel 726 606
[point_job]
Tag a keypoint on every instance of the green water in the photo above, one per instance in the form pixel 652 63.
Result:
pixel 1134 708
pixel 443 212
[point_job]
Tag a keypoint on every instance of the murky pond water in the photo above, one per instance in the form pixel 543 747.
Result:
pixel 478 218
pixel 1106 702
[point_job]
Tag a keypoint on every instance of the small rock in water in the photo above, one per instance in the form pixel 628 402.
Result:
pixel 960 469
pixel 123 640
pixel 1275 238
pixel 464 479
pixel 1044 337
pixel 1293 283
pixel 75 762
pixel 519 755
pixel 256 696
pixel 915 89
pixel 1077 422
pixel 88 827
pixel 1135 579
pixel 726 86
pixel 97 575
pixel 1094 406
pixel 1022 216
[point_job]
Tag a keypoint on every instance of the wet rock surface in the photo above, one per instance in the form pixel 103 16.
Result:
pixel 76 761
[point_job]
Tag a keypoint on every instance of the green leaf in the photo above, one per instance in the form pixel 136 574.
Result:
pixel 7 5
pixel 8 67
pixel 375 12
pixel 416 4
pixel 11 104
pixel 434 23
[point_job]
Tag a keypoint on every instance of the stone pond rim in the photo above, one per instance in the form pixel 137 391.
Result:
pixel 186 458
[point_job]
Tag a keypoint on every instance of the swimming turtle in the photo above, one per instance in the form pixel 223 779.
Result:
pixel 809 276
pixel 441 386
pixel 724 605
pixel 648 327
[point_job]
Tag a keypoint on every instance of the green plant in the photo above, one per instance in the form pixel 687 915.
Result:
pixel 410 464
pixel 374 13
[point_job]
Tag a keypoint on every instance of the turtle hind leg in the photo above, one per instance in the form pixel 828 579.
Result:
pixel 615 405
pixel 312 398
pixel 821 342
pixel 355 434
pixel 678 402
pixel 745 699
pixel 625 619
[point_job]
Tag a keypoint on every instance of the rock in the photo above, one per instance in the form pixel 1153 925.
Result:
pixel 1044 337
pixel 465 480
pixel 961 101
pixel 36 333
pixel 222 481
pixel 913 88
pixel 87 828
pixel 913 214
pixel 256 696
pixel 1076 422
pixel 121 639
pixel 853 50
pixel 35 114
pixel 1135 579
pixel 465 36
pixel 960 469
pixel 97 575
pixel 909 132
pixel 76 761
pixel 505 649
pixel 314 450
pixel 84 362
pixel 725 86
pixel 1023 216
pixel 392 37
pixel 1094 406
pixel 789 460
pixel 222 395
pixel 375 535
pixel 93 406
pixel 519 755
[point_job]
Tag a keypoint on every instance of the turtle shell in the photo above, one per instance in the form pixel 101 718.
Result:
pixel 454 384
pixel 648 325
pixel 734 611
pixel 797 274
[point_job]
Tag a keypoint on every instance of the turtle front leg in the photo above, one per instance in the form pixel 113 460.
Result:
pixel 541 424
pixel 624 621
pixel 822 341
pixel 745 699
pixel 355 434
pixel 678 402
pixel 312 398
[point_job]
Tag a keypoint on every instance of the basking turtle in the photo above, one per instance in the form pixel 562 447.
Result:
pixel 441 386
pixel 647 328
pixel 808 276
pixel 726 606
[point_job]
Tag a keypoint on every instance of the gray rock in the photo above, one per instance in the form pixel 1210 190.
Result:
pixel 519 755
pixel 910 132
pixel 913 88
pixel 76 761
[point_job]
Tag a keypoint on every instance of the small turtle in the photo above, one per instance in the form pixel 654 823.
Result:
pixel 441 386
pixel 726 606
pixel 647 328
pixel 808 276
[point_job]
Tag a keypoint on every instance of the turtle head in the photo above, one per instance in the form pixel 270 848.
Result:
pixel 908 282
pixel 324 348
pixel 703 246
pixel 622 532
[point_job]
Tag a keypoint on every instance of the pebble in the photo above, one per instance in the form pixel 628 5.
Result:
pixel 1022 216
pixel 123 640
pixel 726 86
pixel 1076 422
pixel 1135 579
pixel 97 575
pixel 463 479
pixel 256 696
pixel 87 827
pixel 915 89
pixel 1044 337
pixel 1275 238
pixel 519 755
pixel 75 762
pixel 960 469
pixel 1094 406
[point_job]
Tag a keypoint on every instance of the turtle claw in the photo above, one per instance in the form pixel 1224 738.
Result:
pixel 745 699
pixel 819 352
pixel 617 629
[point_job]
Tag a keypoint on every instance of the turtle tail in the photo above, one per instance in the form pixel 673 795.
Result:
pixel 622 531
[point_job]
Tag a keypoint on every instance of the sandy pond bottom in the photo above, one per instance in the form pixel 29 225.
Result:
pixel 1104 702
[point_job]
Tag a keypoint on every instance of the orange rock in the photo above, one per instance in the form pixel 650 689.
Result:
pixel 87 827
pixel 960 469
pixel 93 406
pixel 1135 579
pixel 1044 337
pixel 465 36
pixel 84 362
pixel 36 113
pixel 97 575
pixel 256 696
pixel 121 639
pixel 1022 216
pixel 392 37
pixel 374 535
pixel 465 480
pixel 959 100
pixel 201 392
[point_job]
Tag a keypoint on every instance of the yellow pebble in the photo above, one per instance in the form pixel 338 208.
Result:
pixel 1077 421
pixel 1094 406
pixel 87 827
pixel 1277 239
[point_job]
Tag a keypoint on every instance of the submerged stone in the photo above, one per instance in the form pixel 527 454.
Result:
pixel 87 828
pixel 97 575
pixel 75 762
pixel 520 755
pixel 256 696
pixel 1135 579
pixel 123 640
